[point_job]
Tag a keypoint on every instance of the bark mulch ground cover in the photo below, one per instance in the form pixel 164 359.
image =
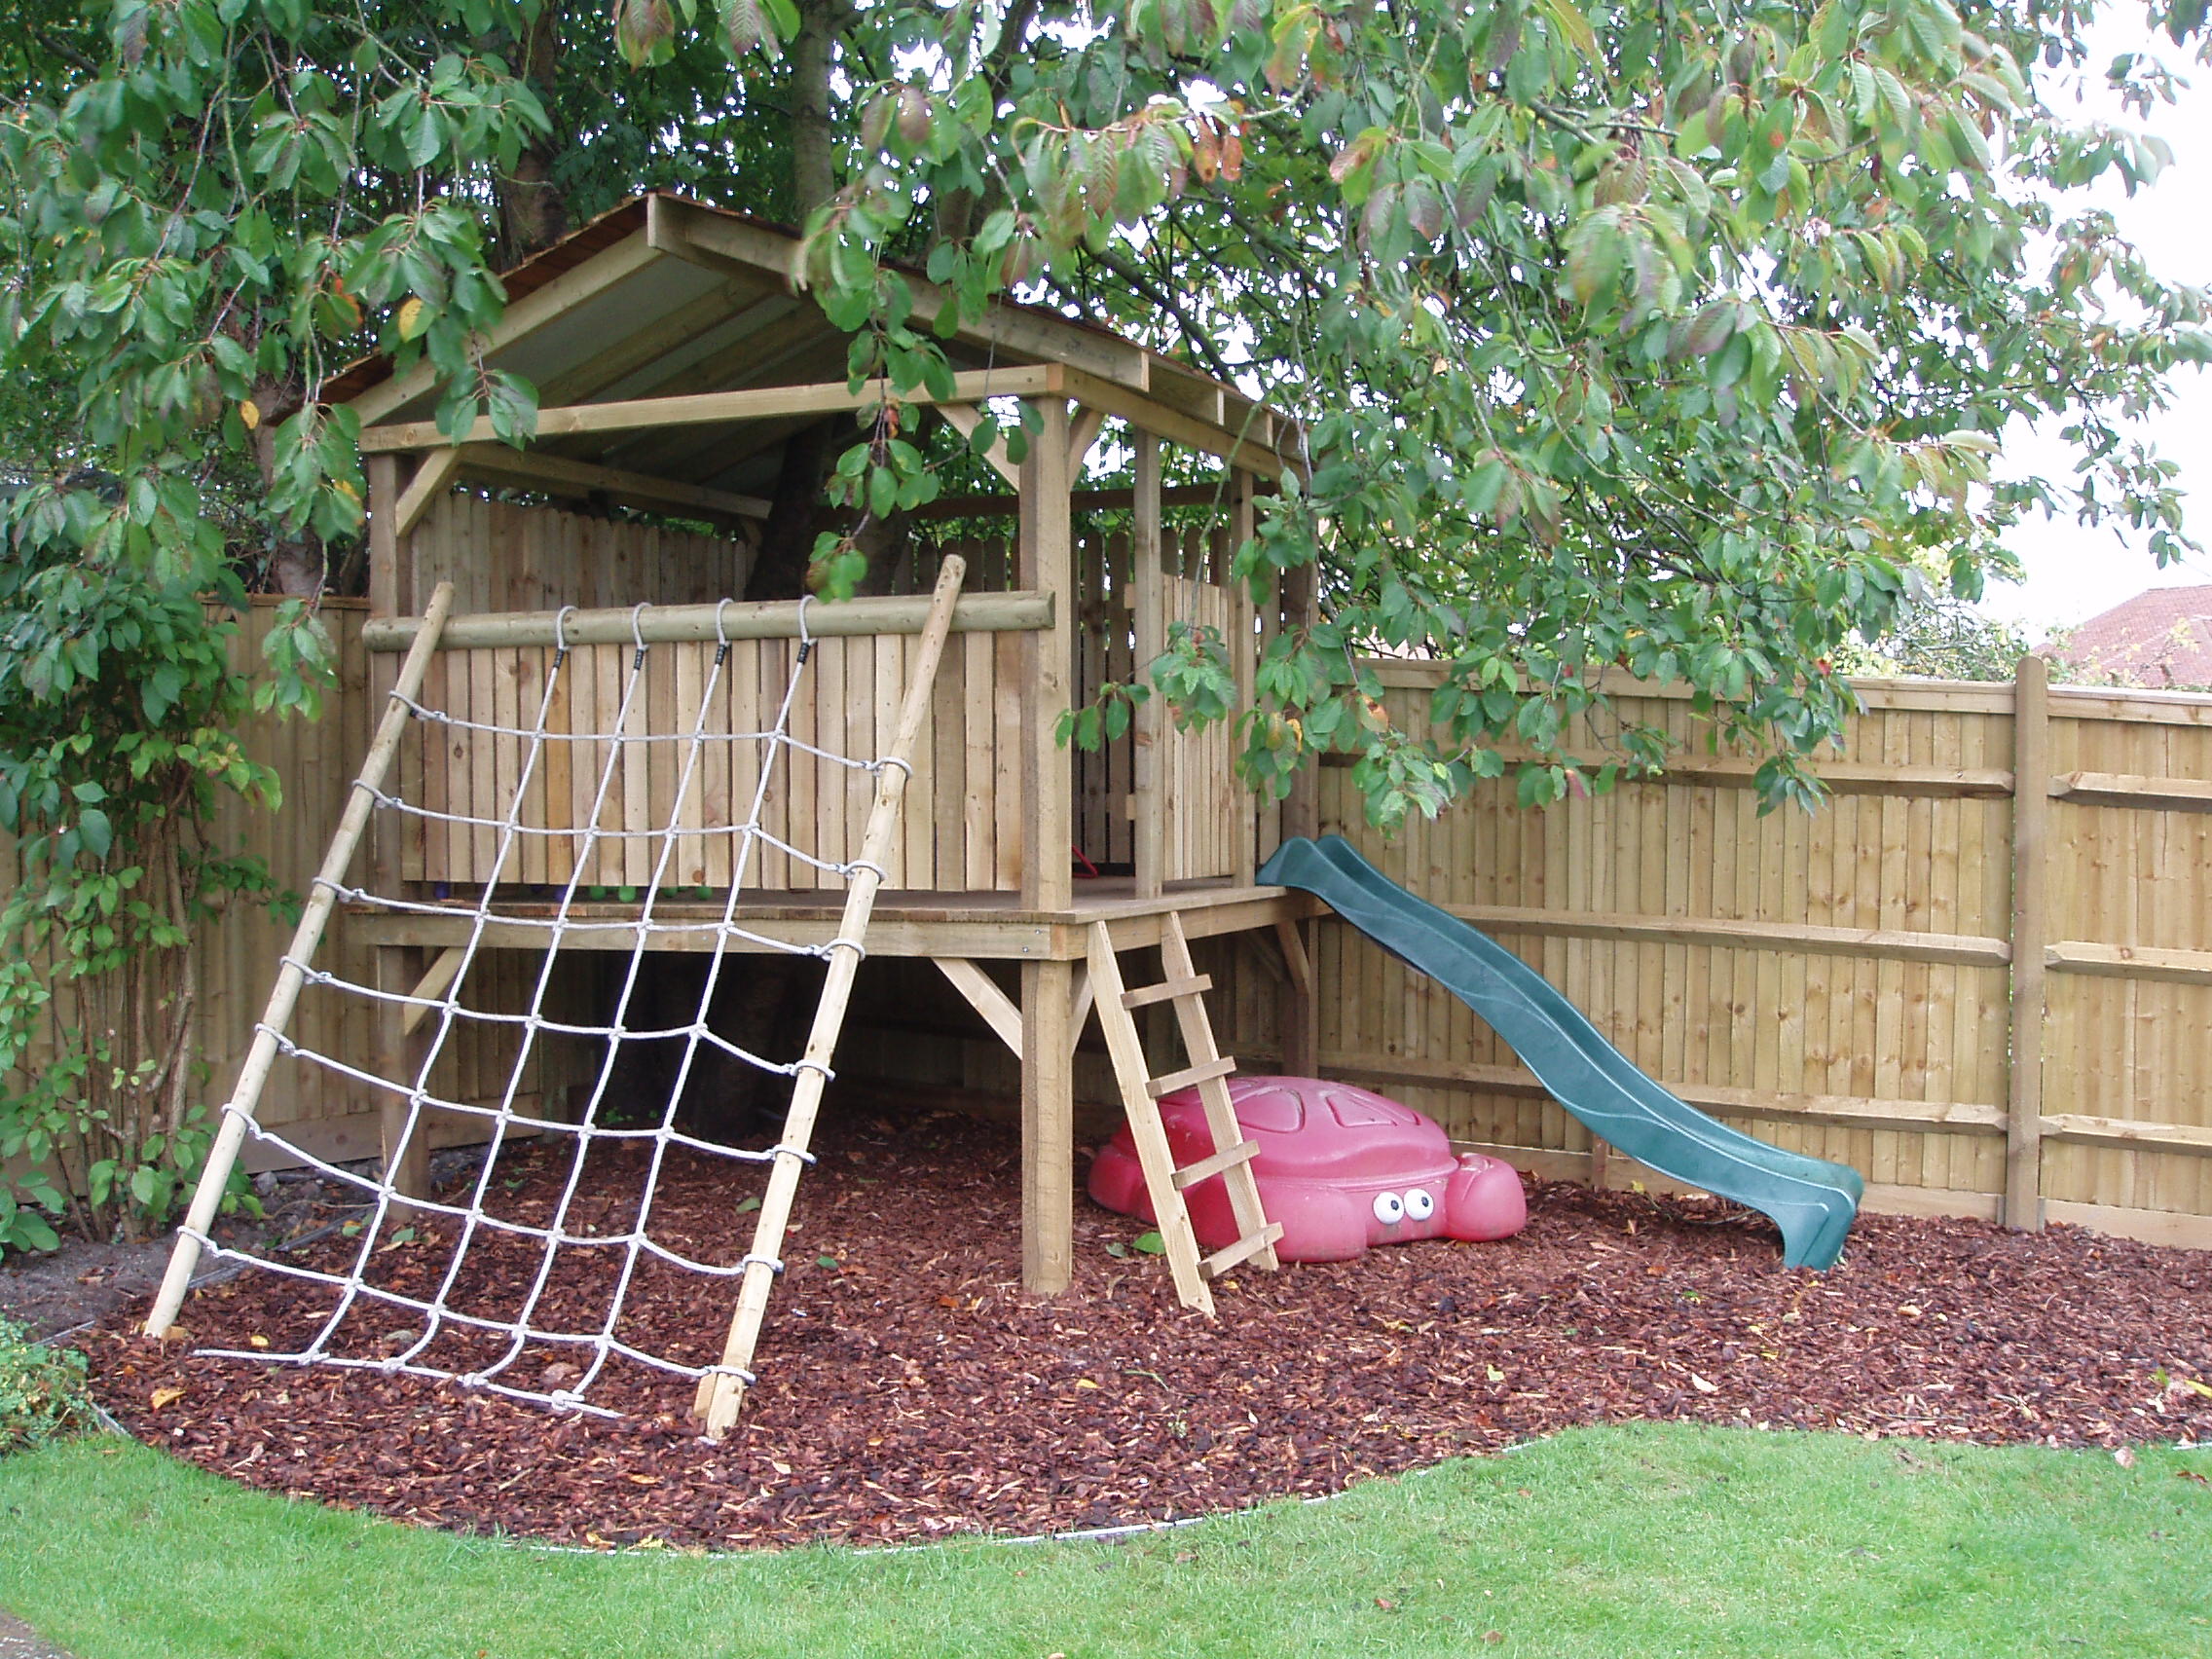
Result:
pixel 909 1389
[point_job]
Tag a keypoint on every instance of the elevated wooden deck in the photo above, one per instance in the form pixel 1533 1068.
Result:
pixel 986 926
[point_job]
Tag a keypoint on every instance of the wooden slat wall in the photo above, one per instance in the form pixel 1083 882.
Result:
pixel 1201 796
pixel 1105 654
pixel 961 834
pixel 509 556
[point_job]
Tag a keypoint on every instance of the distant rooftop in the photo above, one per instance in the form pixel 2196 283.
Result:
pixel 2158 639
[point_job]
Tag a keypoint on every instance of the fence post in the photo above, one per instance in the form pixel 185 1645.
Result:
pixel 2030 813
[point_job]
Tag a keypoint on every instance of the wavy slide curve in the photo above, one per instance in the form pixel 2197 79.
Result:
pixel 1814 1201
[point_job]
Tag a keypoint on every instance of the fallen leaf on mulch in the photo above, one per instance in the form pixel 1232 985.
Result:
pixel 931 1396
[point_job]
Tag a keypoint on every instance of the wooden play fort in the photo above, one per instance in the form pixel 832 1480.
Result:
pixel 562 661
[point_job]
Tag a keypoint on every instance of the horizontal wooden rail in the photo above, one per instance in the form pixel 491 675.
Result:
pixel 2129 962
pixel 2128 788
pixel 1926 782
pixel 771 619
pixel 2127 1132
pixel 720 408
pixel 1889 944
pixel 2146 707
pixel 1956 697
pixel 1842 1110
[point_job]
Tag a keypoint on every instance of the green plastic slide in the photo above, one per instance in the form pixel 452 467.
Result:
pixel 1812 1199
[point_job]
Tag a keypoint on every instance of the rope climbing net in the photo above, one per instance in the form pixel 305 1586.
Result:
pixel 488 1315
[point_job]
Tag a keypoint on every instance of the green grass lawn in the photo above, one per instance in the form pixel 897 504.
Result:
pixel 1628 1541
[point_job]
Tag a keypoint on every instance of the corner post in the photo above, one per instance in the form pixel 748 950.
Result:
pixel 1047 562
pixel 2031 922
pixel 386 593
pixel 1244 659
pixel 1147 809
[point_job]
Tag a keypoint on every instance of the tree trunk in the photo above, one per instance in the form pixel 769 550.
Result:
pixel 297 564
pixel 814 161
pixel 766 1002
pixel 533 214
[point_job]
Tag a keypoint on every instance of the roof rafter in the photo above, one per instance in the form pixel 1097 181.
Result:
pixel 707 238
pixel 717 407
pixel 524 317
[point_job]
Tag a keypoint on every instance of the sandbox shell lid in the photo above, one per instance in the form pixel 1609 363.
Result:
pixel 1309 1127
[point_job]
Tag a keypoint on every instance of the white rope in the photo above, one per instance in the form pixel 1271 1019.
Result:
pixel 442 1310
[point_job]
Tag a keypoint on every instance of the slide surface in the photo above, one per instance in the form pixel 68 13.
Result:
pixel 1812 1199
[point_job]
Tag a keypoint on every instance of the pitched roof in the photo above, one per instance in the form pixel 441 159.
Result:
pixel 665 297
pixel 2161 638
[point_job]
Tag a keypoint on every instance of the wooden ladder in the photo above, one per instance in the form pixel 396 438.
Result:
pixel 1231 1157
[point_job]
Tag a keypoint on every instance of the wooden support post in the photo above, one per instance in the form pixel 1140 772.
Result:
pixel 401 1048
pixel 2031 925
pixel 1302 807
pixel 1048 563
pixel 385 582
pixel 1048 1126
pixel 1148 807
pixel 1300 1007
pixel 1243 660
pixel 261 1058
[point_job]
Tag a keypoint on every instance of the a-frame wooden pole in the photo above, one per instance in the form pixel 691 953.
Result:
pixel 261 1058
pixel 721 1394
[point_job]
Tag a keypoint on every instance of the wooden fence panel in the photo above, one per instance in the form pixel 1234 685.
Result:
pixel 1840 982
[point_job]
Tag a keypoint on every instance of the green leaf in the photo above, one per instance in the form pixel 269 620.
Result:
pixel 1151 1243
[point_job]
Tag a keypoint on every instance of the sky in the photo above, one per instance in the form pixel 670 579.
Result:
pixel 2074 572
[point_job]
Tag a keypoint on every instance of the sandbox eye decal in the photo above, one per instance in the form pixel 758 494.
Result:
pixel 1421 1205
pixel 1389 1208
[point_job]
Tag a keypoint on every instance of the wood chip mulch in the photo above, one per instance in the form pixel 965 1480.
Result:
pixel 911 1390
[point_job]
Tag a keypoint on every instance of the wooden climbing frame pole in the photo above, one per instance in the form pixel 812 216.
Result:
pixel 722 1393
pixel 261 1058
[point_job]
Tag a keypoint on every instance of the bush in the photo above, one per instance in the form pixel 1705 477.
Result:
pixel 42 1391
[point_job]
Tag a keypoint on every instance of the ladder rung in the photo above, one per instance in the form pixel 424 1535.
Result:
pixel 1191 1174
pixel 1188 1075
pixel 1146 995
pixel 1221 1260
